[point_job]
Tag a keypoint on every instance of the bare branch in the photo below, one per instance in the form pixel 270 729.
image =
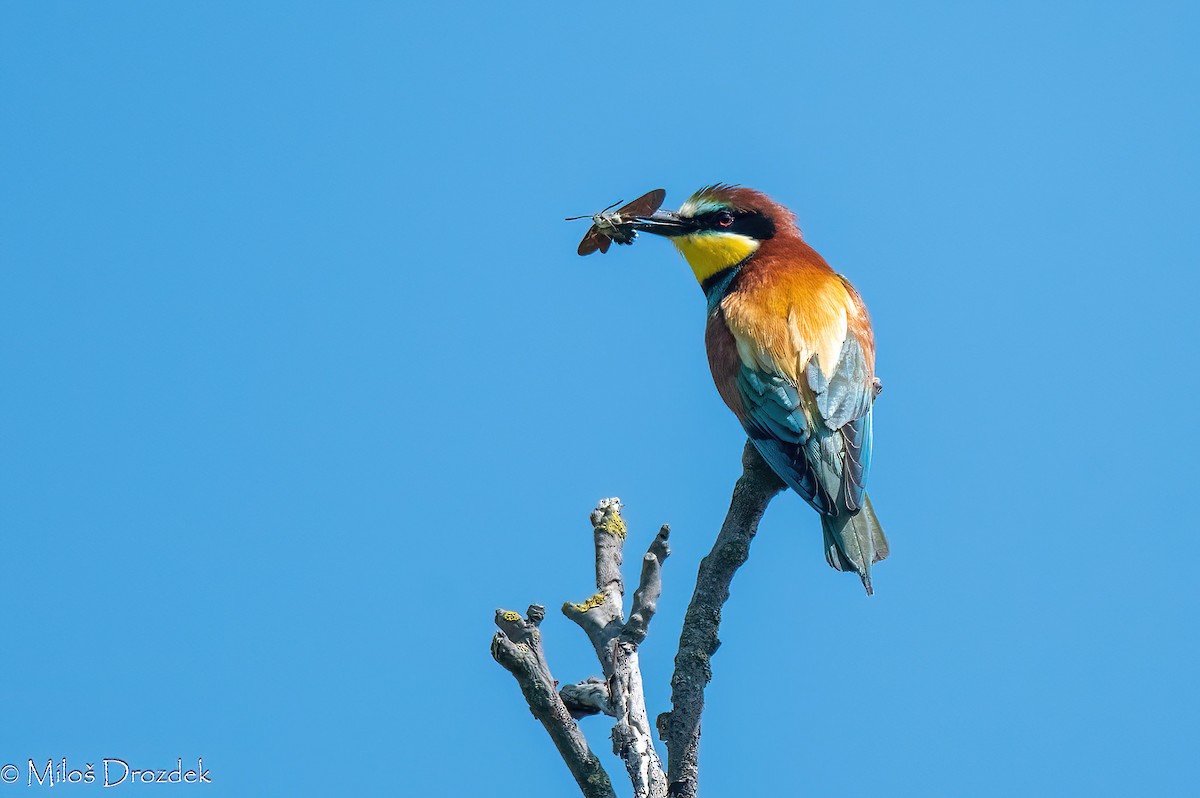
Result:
pixel 610 530
pixel 602 618
pixel 698 642
pixel 632 740
pixel 619 694
pixel 589 697
pixel 518 647
pixel 645 598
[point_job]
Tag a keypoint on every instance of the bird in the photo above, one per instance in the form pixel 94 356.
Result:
pixel 792 354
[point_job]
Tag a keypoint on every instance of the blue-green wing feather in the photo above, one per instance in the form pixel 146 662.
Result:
pixel 827 465
pixel 847 394
pixel 844 403
pixel 775 422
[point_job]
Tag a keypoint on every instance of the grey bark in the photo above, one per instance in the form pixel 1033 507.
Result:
pixel 619 693
pixel 518 647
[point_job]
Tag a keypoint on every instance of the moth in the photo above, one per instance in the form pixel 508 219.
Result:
pixel 609 225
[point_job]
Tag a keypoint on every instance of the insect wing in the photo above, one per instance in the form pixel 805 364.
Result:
pixel 593 240
pixel 644 205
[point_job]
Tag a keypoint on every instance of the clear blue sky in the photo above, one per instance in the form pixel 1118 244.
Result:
pixel 302 378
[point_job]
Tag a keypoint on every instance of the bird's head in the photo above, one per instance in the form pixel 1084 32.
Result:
pixel 720 226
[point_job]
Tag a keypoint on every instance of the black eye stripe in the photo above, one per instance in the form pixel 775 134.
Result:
pixel 748 223
pixel 710 218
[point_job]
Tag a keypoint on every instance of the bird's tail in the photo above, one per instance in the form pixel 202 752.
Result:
pixel 854 542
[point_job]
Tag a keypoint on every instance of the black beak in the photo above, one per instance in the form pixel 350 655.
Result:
pixel 665 223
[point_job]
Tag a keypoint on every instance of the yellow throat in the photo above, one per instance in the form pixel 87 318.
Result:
pixel 708 253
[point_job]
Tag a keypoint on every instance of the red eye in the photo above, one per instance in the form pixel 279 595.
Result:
pixel 724 219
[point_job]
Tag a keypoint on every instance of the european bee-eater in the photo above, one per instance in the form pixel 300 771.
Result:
pixel 792 353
